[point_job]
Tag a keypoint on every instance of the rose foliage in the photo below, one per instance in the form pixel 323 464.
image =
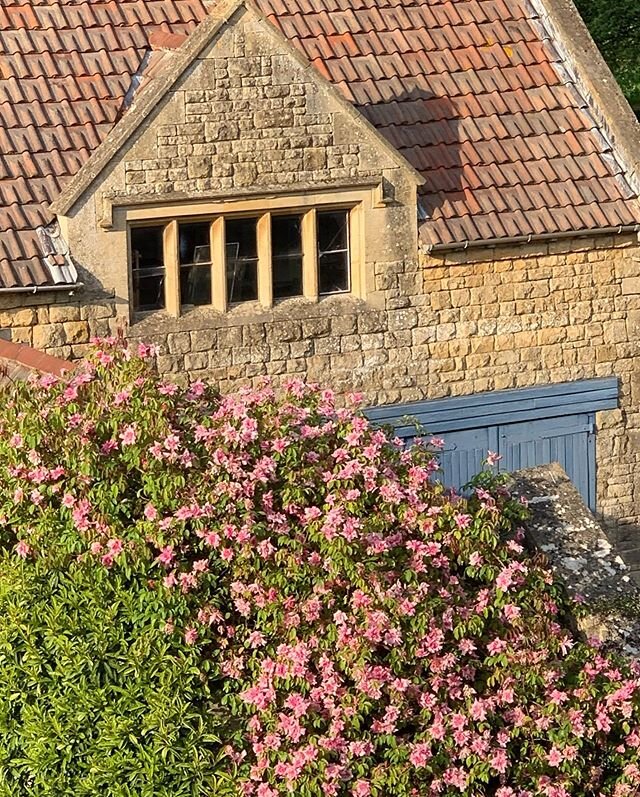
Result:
pixel 262 595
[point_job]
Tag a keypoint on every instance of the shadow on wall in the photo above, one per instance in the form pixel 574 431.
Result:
pixel 626 537
pixel 94 290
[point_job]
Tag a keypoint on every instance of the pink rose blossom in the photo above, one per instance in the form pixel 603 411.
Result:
pixel 129 435
pixel 191 635
pixel 22 549
pixel 166 556
pixel 555 757
pixel 462 521
pixel 150 512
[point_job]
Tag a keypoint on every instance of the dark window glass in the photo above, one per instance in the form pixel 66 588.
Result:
pixel 242 259
pixel 333 251
pixel 286 255
pixel 147 268
pixel 194 250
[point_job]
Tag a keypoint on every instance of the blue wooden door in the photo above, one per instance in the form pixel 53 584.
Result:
pixel 463 453
pixel 528 427
pixel 568 440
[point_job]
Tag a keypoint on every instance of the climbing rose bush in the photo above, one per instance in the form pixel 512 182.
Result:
pixel 262 595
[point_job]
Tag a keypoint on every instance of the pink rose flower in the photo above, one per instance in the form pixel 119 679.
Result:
pixel 191 635
pixel 129 435
pixel 22 549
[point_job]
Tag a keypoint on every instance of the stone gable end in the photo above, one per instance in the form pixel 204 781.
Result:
pixel 247 118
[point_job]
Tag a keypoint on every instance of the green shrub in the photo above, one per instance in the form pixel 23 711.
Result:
pixel 95 699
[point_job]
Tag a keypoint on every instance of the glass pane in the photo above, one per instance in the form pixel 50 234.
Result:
pixel 333 272
pixel 195 285
pixel 194 248
pixel 286 255
pixel 333 230
pixel 333 251
pixel 242 259
pixel 147 268
pixel 195 244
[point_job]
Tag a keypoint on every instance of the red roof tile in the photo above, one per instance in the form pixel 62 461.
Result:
pixel 467 90
pixel 478 103
pixel 65 69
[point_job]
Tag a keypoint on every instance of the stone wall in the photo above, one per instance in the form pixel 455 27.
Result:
pixel 57 323
pixel 457 324
pixel 254 128
pixel 539 315
pixel 454 325
pixel 578 550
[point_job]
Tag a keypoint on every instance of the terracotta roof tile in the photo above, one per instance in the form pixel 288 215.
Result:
pixel 476 101
pixel 469 91
pixel 65 69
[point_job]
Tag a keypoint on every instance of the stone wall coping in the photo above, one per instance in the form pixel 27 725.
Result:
pixel 19 360
pixel 582 556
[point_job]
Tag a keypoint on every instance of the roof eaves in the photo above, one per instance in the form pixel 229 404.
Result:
pixel 429 247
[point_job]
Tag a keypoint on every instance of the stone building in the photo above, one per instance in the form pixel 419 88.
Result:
pixel 434 202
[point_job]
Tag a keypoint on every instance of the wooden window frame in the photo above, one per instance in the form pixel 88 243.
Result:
pixel 171 217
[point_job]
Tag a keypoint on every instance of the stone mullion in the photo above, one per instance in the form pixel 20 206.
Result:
pixel 309 256
pixel 218 266
pixel 265 271
pixel 356 252
pixel 171 269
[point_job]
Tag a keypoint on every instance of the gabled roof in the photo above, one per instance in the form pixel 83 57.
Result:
pixel 165 70
pixel 473 93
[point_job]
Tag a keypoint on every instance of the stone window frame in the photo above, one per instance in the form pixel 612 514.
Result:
pixel 307 205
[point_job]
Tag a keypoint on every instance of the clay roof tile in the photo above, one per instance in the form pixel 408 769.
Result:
pixel 470 91
pixel 18 361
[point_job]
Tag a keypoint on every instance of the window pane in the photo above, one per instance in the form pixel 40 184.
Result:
pixel 242 259
pixel 333 230
pixel 195 285
pixel 286 255
pixel 333 251
pixel 195 246
pixel 147 268
pixel 194 251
